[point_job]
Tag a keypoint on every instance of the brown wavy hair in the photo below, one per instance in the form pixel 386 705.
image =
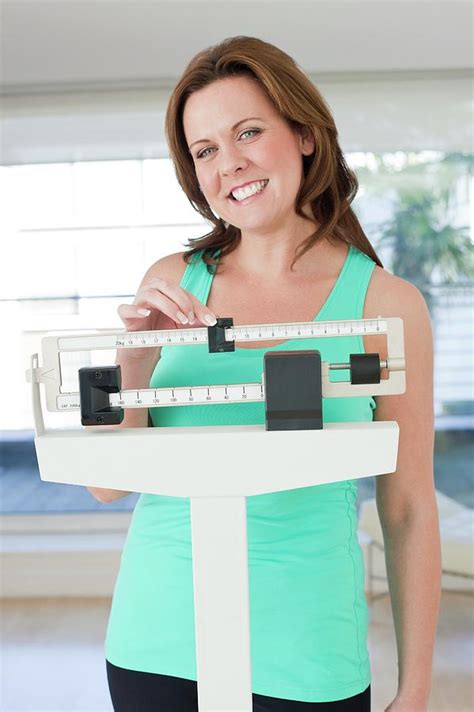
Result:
pixel 328 185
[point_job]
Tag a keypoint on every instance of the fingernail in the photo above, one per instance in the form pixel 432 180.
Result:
pixel 211 320
pixel 191 317
pixel 183 319
pixel 144 312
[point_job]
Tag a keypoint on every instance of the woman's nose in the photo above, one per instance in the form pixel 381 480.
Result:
pixel 231 160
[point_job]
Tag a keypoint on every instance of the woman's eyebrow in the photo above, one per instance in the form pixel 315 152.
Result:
pixel 249 118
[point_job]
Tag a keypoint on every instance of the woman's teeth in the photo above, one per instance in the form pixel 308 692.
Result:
pixel 242 193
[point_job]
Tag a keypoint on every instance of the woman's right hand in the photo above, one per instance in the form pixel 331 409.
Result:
pixel 157 305
pixel 160 304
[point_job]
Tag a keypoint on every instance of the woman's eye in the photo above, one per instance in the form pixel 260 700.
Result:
pixel 249 131
pixel 202 153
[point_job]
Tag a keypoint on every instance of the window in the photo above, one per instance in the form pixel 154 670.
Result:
pixel 78 237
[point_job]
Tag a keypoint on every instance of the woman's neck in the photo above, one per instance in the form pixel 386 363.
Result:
pixel 274 260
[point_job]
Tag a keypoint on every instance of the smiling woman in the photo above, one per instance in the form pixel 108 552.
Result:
pixel 270 124
pixel 257 170
pixel 256 152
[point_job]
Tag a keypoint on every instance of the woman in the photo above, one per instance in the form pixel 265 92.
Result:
pixel 255 150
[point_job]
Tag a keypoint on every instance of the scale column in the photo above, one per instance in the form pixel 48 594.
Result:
pixel 221 603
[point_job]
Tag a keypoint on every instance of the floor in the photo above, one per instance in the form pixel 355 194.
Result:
pixel 52 655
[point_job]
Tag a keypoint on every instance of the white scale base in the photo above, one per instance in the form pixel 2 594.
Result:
pixel 200 463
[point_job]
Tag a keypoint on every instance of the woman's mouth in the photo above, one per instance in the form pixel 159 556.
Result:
pixel 250 198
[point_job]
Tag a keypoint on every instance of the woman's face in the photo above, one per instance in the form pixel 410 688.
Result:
pixel 261 147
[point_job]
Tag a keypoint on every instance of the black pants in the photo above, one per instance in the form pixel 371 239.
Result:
pixel 133 691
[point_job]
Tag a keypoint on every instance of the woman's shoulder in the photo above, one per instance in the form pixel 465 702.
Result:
pixel 389 295
pixel 170 267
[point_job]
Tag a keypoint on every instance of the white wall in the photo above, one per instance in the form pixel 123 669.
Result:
pixel 90 79
pixel 375 113
pixel 68 42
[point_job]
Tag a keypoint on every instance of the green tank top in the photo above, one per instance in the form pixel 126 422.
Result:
pixel 308 612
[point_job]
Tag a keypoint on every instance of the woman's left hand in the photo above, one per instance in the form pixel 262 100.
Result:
pixel 404 705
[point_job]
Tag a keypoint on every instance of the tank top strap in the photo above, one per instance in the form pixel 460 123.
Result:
pixel 352 288
pixel 196 277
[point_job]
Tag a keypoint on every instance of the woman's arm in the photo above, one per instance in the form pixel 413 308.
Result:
pixel 160 294
pixel 406 503
pixel 136 373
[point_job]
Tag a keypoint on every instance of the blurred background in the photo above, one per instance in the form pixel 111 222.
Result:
pixel 90 200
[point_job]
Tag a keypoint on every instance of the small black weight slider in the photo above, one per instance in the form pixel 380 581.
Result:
pixel 365 368
pixel 293 390
pixel 216 336
pixel 95 384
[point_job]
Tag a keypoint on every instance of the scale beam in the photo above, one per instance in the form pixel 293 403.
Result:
pixel 55 348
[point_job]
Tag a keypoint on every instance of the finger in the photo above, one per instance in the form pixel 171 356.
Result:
pixel 174 293
pixel 152 298
pixel 132 311
pixel 188 303
pixel 205 315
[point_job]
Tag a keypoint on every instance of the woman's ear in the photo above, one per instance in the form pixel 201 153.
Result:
pixel 307 141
